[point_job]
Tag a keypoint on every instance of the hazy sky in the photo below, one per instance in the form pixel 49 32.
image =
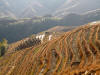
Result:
pixel 48 6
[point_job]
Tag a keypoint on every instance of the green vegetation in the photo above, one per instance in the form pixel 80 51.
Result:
pixel 3 47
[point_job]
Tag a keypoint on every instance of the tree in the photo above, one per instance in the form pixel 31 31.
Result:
pixel 3 47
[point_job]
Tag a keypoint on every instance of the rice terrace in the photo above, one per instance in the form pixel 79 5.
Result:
pixel 76 52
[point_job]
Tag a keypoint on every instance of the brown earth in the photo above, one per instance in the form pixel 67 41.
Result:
pixel 77 52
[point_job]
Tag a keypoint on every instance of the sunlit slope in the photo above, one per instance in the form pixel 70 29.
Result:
pixel 32 41
pixel 77 52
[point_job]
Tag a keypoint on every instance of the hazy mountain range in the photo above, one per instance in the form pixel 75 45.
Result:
pixel 31 8
pixel 40 15
pixel 14 30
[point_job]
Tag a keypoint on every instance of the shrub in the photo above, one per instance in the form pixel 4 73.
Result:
pixel 3 47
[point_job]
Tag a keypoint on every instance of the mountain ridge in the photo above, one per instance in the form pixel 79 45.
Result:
pixel 28 26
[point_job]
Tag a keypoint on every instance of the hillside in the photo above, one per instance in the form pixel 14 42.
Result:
pixel 76 52
pixel 33 40
pixel 16 29
pixel 61 28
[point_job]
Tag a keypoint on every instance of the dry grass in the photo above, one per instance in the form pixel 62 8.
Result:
pixel 74 53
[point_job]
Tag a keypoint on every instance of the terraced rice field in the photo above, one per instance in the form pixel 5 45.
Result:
pixel 77 52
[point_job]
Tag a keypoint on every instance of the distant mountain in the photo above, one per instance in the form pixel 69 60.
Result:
pixel 27 8
pixel 14 30
pixel 31 8
pixel 5 9
pixel 79 19
pixel 77 6
pixel 92 15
